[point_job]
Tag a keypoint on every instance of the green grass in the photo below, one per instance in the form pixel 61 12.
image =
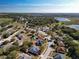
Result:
pixel 5 21
pixel 67 57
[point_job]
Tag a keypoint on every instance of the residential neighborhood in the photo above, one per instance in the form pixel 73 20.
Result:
pixel 52 40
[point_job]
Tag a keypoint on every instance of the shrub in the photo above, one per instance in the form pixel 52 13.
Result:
pixel 68 30
pixel 3 57
pixel 5 35
pixel 12 55
pixel 14 48
pixel 1 51
pixel 25 46
pixel 4 43
pixel 27 43
pixel 16 43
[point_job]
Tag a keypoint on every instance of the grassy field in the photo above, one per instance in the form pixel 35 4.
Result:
pixel 72 21
pixel 6 20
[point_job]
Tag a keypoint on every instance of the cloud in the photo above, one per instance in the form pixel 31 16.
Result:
pixel 66 6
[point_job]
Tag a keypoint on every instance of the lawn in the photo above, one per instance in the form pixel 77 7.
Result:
pixel 5 21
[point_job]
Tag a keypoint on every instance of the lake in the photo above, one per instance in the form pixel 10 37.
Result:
pixel 62 19
pixel 74 26
pixel 68 20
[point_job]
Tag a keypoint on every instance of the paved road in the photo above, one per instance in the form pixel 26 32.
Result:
pixel 10 37
pixel 48 51
pixel 45 56
pixel 7 46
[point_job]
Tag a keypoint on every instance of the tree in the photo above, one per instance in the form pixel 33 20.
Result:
pixel 3 57
pixel 5 35
pixel 77 52
pixel 12 55
pixel 4 43
pixel 1 51
pixel 25 46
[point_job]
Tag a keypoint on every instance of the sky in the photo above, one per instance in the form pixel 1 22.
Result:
pixel 39 6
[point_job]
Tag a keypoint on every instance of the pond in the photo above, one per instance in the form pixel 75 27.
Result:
pixel 62 19
pixel 74 26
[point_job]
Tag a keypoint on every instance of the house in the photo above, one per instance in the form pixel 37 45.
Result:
pixel 40 36
pixel 42 33
pixel 34 50
pixel 60 50
pixel 19 36
pixel 48 38
pixel 39 42
pixel 24 56
pixel 59 56
pixel 61 43
pixel 45 28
